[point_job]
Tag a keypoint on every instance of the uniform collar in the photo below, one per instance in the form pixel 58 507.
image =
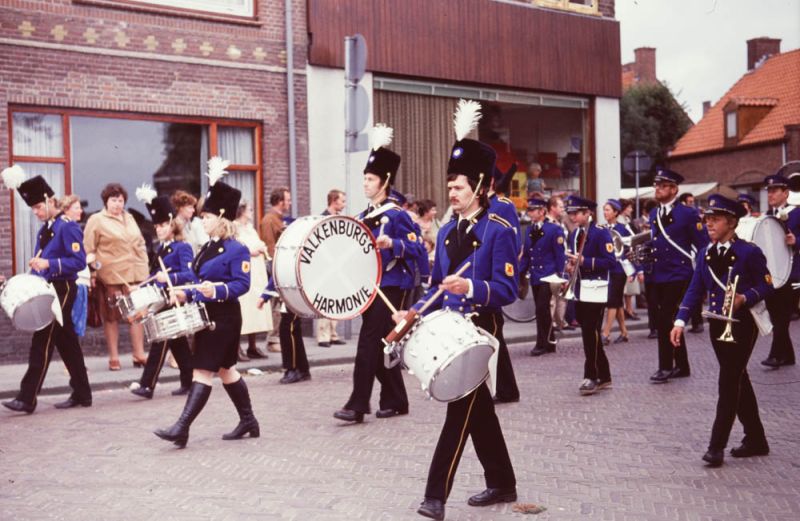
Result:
pixel 472 218
pixel 670 205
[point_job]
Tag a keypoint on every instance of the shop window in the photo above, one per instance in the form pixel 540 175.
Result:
pixel 79 153
pixel 226 7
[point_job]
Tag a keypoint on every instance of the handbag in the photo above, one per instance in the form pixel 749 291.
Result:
pixel 595 291
pixel 93 317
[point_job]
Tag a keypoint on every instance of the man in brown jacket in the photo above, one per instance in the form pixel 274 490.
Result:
pixel 269 230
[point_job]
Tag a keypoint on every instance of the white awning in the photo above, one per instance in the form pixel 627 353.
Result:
pixel 699 190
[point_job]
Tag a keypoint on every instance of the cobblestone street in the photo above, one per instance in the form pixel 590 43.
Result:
pixel 632 452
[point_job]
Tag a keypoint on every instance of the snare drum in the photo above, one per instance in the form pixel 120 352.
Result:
pixel 28 300
pixel 176 322
pixel 448 354
pixel 768 233
pixel 327 266
pixel 141 302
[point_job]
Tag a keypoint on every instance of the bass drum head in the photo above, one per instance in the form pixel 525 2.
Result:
pixel 338 267
pixel 768 233
pixel 462 374
pixel 34 314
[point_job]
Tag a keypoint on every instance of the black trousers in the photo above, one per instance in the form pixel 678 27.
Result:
pixel 64 339
pixel 736 397
pixel 780 305
pixel 590 317
pixel 507 389
pixel 376 324
pixel 155 361
pixel 650 296
pixel 668 297
pixel 545 336
pixel 472 416
pixel 293 350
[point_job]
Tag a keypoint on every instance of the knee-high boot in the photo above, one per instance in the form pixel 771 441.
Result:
pixel 195 401
pixel 247 421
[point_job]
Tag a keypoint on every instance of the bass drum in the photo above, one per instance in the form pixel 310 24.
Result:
pixel 768 233
pixel 327 266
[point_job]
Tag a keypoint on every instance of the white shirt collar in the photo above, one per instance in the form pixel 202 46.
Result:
pixel 669 205
pixel 726 245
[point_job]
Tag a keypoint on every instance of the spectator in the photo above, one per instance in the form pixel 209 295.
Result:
pixel 71 207
pixel 269 230
pixel 185 204
pixel 535 186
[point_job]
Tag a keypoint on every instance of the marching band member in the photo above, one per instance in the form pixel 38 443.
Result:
pixel 729 260
pixel 676 231
pixel 397 242
pixel 618 277
pixel 419 266
pixel 591 251
pixel 783 301
pixel 748 202
pixel 293 349
pixel 176 254
pixel 225 261
pixel 544 256
pixel 59 257
pixel 501 205
pixel 487 242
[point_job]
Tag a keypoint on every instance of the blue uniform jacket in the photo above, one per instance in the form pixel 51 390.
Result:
pixel 748 262
pixel 623 231
pixel 61 243
pixel 684 227
pixel 177 257
pixel 544 252
pixel 226 261
pixel 598 254
pixel 504 208
pixel 397 261
pixel 490 250
pixel 421 264
pixel 793 225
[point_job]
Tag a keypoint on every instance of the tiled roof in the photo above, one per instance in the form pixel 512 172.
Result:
pixel 776 83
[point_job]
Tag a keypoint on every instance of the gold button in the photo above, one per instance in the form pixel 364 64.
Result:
pixel 445 297
pixel 475 244
pixel 461 308
pixel 447 241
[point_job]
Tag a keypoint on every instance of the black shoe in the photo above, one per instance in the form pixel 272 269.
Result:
pixel 388 413
pixel 239 395
pixel 603 384
pixel 287 376
pixel 679 373
pixel 256 353
pixel 771 362
pixel 661 376
pixel 490 496
pixel 349 415
pixel 588 387
pixel 498 399
pixel 697 329
pixel 621 339
pixel 19 406
pixel 293 376
pixel 653 334
pixel 714 457
pixel 324 344
pixel 73 402
pixel 195 401
pixel 746 450
pixel 144 392
pixel 242 357
pixel 432 508
pixel 338 342
pixel 539 351
pixel 180 391
pixel 569 327
pixel 631 316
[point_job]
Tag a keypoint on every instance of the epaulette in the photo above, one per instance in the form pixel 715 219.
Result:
pixel 496 218
pixel 65 218
pixel 505 200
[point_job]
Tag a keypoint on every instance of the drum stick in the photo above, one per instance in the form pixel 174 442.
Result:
pixel 150 279
pixel 384 220
pixel 123 280
pixel 165 271
pixel 386 300
pixel 192 286
pixel 440 290
pixel 34 257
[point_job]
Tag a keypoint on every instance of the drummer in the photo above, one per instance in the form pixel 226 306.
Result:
pixel 397 242
pixel 59 257
pixel 223 266
pixel 489 244
pixel 176 254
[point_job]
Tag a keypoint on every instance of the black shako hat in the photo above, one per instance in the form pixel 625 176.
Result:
pixel 35 190
pixel 161 210
pixel 469 157
pixel 382 162
pixel 221 200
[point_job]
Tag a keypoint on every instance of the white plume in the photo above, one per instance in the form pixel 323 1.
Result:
pixel 13 176
pixel 145 193
pixel 216 169
pixel 468 113
pixel 381 136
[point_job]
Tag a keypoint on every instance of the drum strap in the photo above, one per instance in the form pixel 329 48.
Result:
pixel 379 210
pixel 669 239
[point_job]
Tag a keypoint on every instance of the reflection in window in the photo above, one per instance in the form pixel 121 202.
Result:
pixel 730 124
pixel 38 135
pixel 229 7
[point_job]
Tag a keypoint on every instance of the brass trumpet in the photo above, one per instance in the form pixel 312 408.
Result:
pixel 727 308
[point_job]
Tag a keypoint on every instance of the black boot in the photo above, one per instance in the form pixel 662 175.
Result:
pixel 179 432
pixel 247 421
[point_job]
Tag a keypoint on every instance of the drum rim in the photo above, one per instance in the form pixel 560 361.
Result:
pixel 757 222
pixel 19 308
pixel 319 220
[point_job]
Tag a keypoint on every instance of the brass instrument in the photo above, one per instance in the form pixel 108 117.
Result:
pixel 727 308
pixel 641 247
pixel 568 292
pixel 618 242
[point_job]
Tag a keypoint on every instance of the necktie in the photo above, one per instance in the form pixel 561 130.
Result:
pixel 581 238
pixel 722 250
pixel 462 230
pixel 663 212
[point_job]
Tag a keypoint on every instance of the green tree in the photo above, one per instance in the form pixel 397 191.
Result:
pixel 651 119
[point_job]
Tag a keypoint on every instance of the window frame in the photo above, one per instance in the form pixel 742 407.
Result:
pixel 566 5
pixel 147 7
pixel 66 160
pixel 731 114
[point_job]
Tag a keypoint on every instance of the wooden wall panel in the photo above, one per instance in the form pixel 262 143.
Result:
pixel 473 41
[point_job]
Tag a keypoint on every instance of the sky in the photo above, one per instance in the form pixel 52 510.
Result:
pixel 701 48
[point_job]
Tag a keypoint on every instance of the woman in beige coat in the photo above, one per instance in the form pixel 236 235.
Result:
pixel 116 252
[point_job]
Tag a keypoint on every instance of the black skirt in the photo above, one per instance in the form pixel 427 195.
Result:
pixel 616 288
pixel 218 348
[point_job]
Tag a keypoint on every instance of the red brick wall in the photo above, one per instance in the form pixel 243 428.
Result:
pixel 72 72
pixel 730 168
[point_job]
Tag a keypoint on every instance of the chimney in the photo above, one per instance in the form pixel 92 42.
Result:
pixel 706 107
pixel 645 64
pixel 758 48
